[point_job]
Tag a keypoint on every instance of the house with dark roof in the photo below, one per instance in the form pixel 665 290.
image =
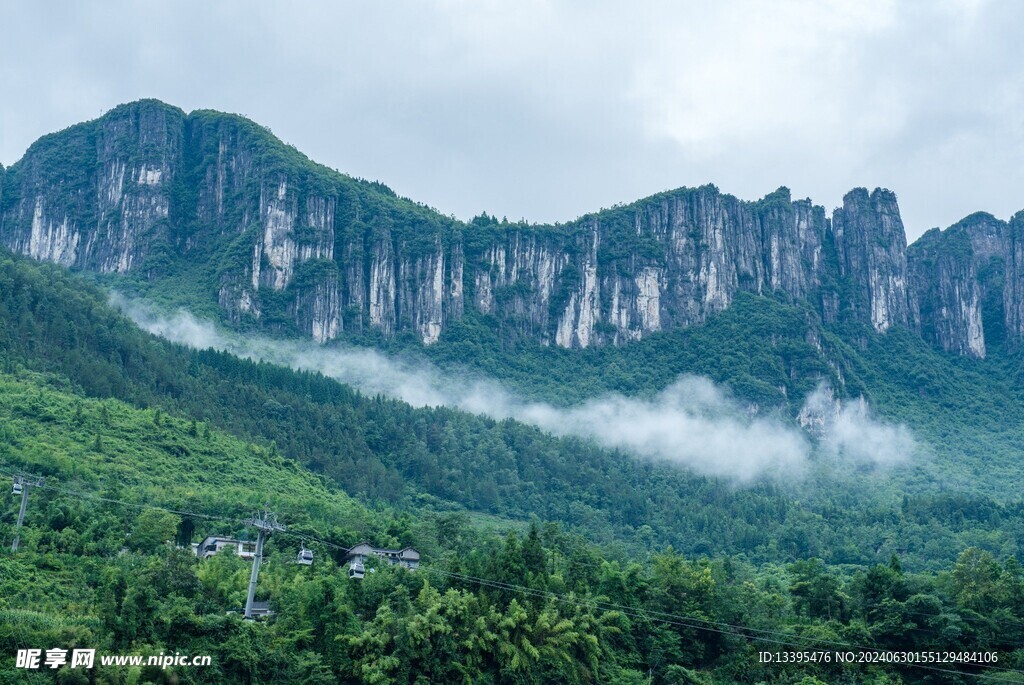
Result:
pixel 407 557
pixel 260 609
pixel 215 543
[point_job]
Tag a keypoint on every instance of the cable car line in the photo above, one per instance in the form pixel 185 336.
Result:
pixel 727 630
pixel 693 622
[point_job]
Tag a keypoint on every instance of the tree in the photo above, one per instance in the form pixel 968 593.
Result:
pixel 152 528
pixel 975 580
pixel 816 592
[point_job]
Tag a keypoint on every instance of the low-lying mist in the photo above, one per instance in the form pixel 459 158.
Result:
pixel 692 422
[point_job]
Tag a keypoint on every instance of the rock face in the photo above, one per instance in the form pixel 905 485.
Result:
pixel 969 281
pixel 872 249
pixel 1013 280
pixel 275 238
pixel 96 198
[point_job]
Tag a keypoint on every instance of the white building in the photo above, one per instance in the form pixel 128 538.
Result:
pixel 408 557
pixel 213 544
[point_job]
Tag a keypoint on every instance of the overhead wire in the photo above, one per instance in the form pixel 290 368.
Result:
pixel 714 626
pixel 969 619
pixel 696 623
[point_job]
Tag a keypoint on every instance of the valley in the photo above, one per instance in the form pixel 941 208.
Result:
pixel 637 446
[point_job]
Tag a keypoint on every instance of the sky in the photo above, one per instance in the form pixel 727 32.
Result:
pixel 544 110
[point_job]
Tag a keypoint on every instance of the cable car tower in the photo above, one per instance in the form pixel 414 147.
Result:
pixel 22 484
pixel 265 524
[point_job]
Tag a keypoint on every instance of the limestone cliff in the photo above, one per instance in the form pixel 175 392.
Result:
pixel 968 280
pixel 872 249
pixel 1013 281
pixel 96 197
pixel 216 201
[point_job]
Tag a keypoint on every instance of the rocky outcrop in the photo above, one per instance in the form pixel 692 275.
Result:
pixel 97 199
pixel 968 281
pixel 670 260
pixel 514 280
pixel 280 240
pixel 1013 293
pixel 872 249
pixel 949 299
pixel 317 307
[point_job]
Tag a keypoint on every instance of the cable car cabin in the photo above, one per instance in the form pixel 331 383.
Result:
pixel 18 488
pixel 305 557
pixel 356 570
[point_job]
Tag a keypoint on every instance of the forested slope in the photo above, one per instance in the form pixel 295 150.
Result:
pixel 444 460
pixel 97 569
pixel 772 354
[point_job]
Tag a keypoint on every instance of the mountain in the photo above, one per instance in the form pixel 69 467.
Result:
pixel 768 298
pixel 213 205
pixel 142 440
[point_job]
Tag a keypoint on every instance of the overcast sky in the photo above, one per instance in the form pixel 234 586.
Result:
pixel 546 110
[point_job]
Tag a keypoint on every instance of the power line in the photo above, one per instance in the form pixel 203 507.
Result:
pixel 325 543
pixel 696 623
pixel 654 615
pixel 967 619
pixel 710 626
pixel 191 514
pixel 137 505
pixel 81 494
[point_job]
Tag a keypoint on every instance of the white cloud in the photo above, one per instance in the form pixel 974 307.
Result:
pixel 849 432
pixel 763 70
pixel 692 422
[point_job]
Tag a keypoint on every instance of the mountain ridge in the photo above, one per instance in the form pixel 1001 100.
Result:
pixel 276 240
pixel 94 404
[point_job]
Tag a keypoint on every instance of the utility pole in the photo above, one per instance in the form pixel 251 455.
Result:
pixel 23 483
pixel 265 524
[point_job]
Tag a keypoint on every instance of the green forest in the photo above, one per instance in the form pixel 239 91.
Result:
pixel 387 452
pixel 545 559
pixel 99 567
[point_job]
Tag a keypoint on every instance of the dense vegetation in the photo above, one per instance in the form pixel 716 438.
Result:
pixel 96 570
pixel 445 460
pixel 771 354
pixel 546 560
pixel 125 426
